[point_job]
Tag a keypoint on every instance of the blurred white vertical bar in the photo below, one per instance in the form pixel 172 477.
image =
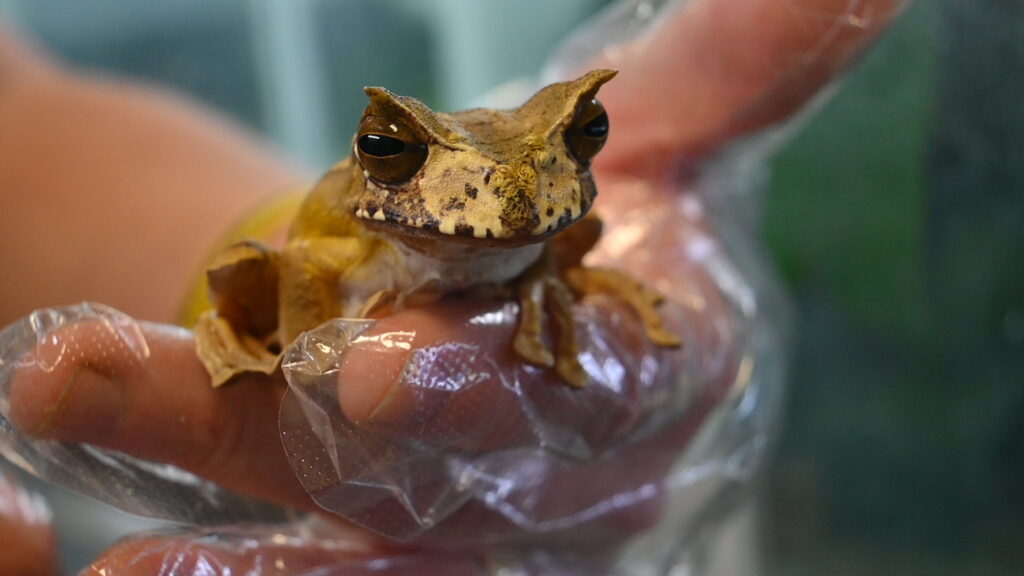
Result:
pixel 483 44
pixel 463 52
pixel 291 76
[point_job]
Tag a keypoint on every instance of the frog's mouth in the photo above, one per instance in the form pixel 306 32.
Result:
pixel 481 217
pixel 430 228
pixel 422 225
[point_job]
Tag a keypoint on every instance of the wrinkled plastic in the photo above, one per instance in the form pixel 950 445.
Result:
pixel 660 441
pixel 682 432
pixel 306 548
pixel 405 478
pixel 133 485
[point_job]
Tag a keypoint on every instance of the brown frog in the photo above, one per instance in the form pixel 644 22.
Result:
pixel 430 204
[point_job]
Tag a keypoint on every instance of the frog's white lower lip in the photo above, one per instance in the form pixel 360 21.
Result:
pixel 457 234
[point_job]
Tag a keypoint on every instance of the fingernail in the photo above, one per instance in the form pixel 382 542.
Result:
pixel 370 382
pixel 75 403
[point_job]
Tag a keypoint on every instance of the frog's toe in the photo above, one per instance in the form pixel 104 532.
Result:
pixel 544 297
pixel 662 336
pixel 529 342
pixel 533 350
pixel 569 368
pixel 634 293
pixel 225 353
pixel 560 302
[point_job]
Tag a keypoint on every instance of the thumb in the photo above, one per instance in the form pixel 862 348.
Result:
pixel 406 421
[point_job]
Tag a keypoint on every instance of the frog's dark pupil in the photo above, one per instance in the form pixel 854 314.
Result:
pixel 598 127
pixel 380 146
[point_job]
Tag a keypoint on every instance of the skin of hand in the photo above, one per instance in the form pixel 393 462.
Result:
pixel 29 545
pixel 681 95
pixel 90 165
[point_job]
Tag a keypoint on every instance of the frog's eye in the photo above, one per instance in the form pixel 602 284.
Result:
pixel 588 132
pixel 389 150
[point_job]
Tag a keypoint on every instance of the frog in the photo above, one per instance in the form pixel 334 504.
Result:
pixel 429 204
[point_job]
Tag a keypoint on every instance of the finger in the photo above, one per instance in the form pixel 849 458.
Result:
pixel 225 555
pixel 430 420
pixel 666 244
pixel 714 70
pixel 29 547
pixel 95 382
pixel 427 386
pixel 458 382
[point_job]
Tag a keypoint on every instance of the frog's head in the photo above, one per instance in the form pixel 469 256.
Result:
pixel 496 176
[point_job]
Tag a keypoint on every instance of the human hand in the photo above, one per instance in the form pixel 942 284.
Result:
pixel 29 547
pixel 669 112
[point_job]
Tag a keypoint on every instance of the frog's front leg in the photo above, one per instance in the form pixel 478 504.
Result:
pixel 310 286
pixel 239 333
pixel 643 300
pixel 541 289
pixel 568 250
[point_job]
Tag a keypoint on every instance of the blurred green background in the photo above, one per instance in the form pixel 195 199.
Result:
pixel 896 216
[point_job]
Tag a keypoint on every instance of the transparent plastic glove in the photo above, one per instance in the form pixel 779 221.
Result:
pixel 63 375
pixel 471 447
pixel 297 549
pixel 309 548
pixel 476 458
pixel 463 444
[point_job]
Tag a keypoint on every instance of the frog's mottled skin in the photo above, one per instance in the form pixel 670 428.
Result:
pixel 486 208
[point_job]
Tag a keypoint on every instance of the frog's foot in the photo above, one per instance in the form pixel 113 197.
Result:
pixel 226 353
pixel 641 299
pixel 538 291
pixel 243 283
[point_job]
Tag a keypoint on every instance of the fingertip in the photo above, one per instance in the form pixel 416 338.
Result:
pixel 140 390
pixel 373 380
pixel 369 380
pixel 440 372
pixel 68 385
pixel 82 404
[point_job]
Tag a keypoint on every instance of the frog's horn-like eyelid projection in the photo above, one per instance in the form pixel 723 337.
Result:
pixel 567 96
pixel 417 115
